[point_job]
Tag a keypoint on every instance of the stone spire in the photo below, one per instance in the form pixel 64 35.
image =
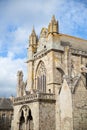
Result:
pixel 53 25
pixel 53 20
pixel 33 32
pixel 33 37
pixel 33 40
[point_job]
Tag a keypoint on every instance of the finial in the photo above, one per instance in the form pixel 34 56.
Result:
pixel 33 31
pixel 53 18
pixel 19 73
pixel 53 25
pixel 33 37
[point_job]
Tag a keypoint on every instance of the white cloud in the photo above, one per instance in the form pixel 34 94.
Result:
pixel 16 21
pixel 19 42
pixel 72 18
pixel 8 71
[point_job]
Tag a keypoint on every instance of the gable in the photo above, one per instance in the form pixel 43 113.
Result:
pixel 65 101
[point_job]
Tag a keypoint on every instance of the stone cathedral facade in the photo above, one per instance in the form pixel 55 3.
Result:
pixel 56 94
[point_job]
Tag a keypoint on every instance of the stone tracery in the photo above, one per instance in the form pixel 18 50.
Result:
pixel 41 77
pixel 25 118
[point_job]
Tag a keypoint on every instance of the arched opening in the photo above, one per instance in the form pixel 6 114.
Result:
pixel 25 119
pixel 22 121
pixel 29 121
pixel 41 77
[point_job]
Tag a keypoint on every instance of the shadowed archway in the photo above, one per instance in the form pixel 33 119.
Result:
pixel 25 118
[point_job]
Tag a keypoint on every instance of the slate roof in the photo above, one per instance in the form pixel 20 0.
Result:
pixel 75 42
pixel 6 104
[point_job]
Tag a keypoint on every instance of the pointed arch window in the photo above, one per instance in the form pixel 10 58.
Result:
pixel 41 77
pixel 25 118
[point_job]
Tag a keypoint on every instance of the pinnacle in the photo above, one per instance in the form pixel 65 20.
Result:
pixel 53 18
pixel 33 31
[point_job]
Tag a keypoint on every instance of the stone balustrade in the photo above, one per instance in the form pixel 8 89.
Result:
pixel 40 54
pixel 35 96
pixel 78 52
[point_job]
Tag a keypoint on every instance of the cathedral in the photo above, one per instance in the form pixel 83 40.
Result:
pixel 54 97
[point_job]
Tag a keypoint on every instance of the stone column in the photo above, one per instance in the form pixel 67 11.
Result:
pixel 18 125
pixel 30 80
pixel 25 125
pixel 25 116
pixel 66 57
pixel 58 123
pixel 67 61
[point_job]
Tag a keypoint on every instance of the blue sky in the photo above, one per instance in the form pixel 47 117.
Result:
pixel 17 18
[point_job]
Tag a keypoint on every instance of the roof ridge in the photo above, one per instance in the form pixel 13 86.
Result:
pixel 6 103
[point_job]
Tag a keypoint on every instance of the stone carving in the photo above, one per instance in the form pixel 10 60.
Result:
pixel 77 51
pixel 25 118
pixel 41 69
pixel 21 86
pixel 44 33
pixel 83 69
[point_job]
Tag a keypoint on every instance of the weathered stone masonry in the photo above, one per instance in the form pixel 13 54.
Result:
pixel 56 94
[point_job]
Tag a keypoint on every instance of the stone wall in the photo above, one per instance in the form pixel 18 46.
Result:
pixel 80 107
pixel 42 107
pixel 79 96
pixel 34 107
pixel 62 57
pixel 66 107
pixel 47 116
pixel 5 119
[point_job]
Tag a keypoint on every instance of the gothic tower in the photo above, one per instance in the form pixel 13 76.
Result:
pixel 32 49
pixel 56 94
pixel 53 26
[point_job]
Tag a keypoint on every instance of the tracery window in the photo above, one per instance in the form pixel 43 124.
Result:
pixel 25 118
pixel 41 77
